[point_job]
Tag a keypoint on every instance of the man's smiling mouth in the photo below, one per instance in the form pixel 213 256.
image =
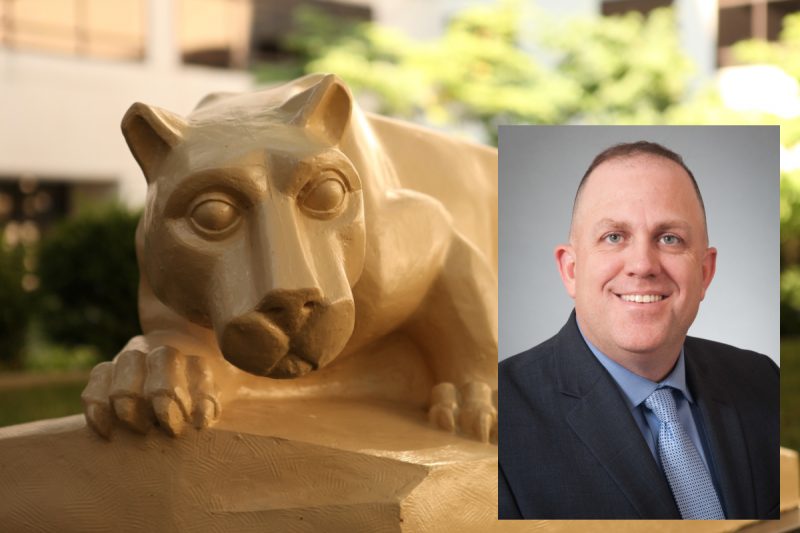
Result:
pixel 641 298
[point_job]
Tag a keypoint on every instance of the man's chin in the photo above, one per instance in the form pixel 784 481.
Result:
pixel 643 342
pixel 632 338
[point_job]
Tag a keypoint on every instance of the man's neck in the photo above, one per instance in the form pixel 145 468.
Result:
pixel 649 366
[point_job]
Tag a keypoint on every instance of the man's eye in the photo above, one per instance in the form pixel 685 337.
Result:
pixel 671 239
pixel 613 238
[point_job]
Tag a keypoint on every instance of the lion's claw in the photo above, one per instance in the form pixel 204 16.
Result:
pixel 471 405
pixel 205 413
pixel 98 413
pixel 163 387
pixel 133 412
pixel 99 419
pixel 442 417
pixel 171 416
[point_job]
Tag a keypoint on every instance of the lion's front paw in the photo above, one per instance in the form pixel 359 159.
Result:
pixel 470 409
pixel 163 387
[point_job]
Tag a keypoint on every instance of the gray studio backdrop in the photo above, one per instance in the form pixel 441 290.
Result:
pixel 738 171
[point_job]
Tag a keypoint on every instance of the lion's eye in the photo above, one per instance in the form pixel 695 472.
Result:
pixel 325 196
pixel 214 215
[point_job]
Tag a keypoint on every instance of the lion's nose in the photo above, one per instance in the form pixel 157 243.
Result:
pixel 289 309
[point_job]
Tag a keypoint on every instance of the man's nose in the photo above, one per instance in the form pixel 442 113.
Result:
pixel 643 259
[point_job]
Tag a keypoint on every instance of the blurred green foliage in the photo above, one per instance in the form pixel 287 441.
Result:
pixel 15 305
pixel 790 253
pixel 785 55
pixel 481 70
pixel 43 354
pixel 46 400
pixel 633 72
pixel 790 393
pixel 88 280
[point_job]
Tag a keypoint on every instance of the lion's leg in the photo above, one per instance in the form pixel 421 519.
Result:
pixel 458 319
pixel 457 327
pixel 422 274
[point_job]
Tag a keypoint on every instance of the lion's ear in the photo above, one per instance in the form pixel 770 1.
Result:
pixel 213 98
pixel 151 133
pixel 324 108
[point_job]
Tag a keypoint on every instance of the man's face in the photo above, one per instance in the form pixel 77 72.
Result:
pixel 638 263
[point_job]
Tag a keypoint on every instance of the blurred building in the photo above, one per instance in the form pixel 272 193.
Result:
pixel 70 68
pixel 707 28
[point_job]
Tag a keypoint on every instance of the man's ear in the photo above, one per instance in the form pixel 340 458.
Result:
pixel 565 259
pixel 709 268
pixel 151 133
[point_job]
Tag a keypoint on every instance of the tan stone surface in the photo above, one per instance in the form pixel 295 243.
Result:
pixel 295 465
pixel 790 480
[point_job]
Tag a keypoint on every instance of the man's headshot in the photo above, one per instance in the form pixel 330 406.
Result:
pixel 623 413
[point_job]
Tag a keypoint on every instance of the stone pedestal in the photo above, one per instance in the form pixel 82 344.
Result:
pixel 289 466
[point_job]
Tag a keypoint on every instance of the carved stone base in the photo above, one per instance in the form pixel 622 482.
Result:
pixel 291 466
pixel 299 465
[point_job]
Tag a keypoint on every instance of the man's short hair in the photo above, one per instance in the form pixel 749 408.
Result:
pixel 624 150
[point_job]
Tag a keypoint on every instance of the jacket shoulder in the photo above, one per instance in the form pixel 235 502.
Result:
pixel 532 372
pixel 529 360
pixel 753 375
pixel 715 353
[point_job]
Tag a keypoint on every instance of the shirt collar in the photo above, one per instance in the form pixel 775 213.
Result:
pixel 634 387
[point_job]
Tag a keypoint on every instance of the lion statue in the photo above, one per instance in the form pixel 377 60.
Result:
pixel 294 246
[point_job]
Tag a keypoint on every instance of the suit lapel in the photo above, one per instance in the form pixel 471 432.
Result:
pixel 600 418
pixel 725 439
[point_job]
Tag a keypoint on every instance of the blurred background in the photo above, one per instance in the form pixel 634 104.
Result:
pixel 71 194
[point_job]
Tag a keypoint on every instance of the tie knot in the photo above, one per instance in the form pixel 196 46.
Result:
pixel 662 403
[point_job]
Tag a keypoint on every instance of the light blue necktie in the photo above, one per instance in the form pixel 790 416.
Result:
pixel 687 475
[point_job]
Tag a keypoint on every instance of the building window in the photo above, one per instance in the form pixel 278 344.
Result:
pixel 215 33
pixel 618 7
pixel 29 201
pixel 273 21
pixel 30 207
pixel 26 204
pixel 749 19
pixel 89 28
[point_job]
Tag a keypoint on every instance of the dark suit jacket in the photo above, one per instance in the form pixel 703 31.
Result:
pixel 569 447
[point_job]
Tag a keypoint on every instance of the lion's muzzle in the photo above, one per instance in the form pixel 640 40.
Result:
pixel 289 334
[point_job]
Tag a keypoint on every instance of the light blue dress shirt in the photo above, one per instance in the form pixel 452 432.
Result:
pixel 635 390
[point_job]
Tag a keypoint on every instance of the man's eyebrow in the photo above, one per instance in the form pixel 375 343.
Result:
pixel 677 224
pixel 610 223
pixel 666 225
